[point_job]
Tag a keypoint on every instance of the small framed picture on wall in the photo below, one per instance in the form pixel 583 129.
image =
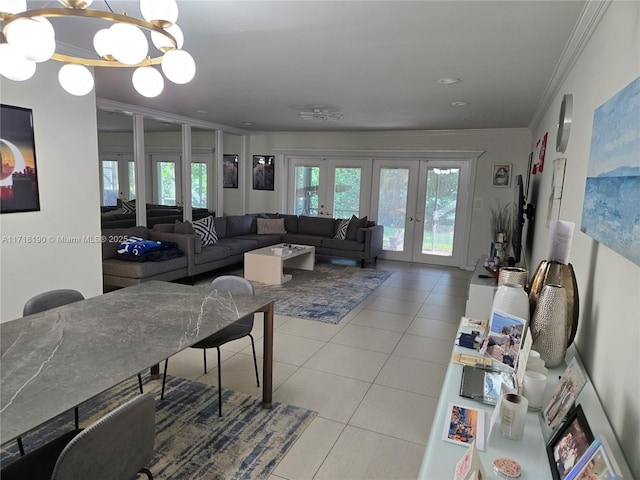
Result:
pixel 501 176
pixel 263 172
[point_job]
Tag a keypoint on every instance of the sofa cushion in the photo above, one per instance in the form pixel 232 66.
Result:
pixel 354 226
pixel 211 254
pixel 206 231
pixel 183 227
pixel 348 245
pixel 164 227
pixel 112 237
pixel 342 224
pixel 221 226
pixel 239 245
pixel 239 225
pixel 121 268
pixel 316 226
pixel 301 239
pixel 290 223
pixel 270 226
pixel 264 240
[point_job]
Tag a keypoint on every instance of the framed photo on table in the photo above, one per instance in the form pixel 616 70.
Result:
pixel 569 444
pixel 596 463
pixel 501 175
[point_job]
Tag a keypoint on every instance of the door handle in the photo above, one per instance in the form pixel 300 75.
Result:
pixel 418 220
pixel 410 219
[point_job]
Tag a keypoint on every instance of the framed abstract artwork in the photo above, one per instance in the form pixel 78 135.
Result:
pixel 612 193
pixel 18 175
pixel 230 170
pixel 501 175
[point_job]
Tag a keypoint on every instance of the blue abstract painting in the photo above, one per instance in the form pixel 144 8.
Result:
pixel 611 209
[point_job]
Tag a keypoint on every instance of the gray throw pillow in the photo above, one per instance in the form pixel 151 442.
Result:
pixel 183 227
pixel 271 226
pixel 355 224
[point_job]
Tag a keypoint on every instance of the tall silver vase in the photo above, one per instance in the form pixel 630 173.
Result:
pixel 549 326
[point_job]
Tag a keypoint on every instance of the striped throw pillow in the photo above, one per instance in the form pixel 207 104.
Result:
pixel 341 231
pixel 206 230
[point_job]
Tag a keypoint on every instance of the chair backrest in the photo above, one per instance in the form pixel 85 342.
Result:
pixel 235 284
pixel 51 299
pixel 116 447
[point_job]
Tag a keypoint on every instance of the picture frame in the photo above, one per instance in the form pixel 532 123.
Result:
pixel 19 174
pixel 597 462
pixel 501 175
pixel 503 339
pixel 264 172
pixel 230 170
pixel 464 425
pixel 569 444
pixel 569 387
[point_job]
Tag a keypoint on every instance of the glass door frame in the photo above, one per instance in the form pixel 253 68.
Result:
pixel 326 185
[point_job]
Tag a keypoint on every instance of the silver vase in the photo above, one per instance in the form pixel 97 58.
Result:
pixel 549 326
pixel 515 275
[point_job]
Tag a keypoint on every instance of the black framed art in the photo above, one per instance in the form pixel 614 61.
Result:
pixel 18 174
pixel 263 172
pixel 569 444
pixel 230 170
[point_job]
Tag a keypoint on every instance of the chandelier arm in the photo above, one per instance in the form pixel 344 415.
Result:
pixel 100 14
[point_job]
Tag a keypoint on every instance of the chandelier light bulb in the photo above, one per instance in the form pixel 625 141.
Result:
pixel 148 81
pixel 128 43
pixel 34 37
pixel 178 66
pixel 13 65
pixel 162 43
pixel 75 79
pixel 13 6
pixel 76 3
pixel 159 12
pixel 102 43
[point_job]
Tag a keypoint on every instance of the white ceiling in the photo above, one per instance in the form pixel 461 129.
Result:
pixel 377 62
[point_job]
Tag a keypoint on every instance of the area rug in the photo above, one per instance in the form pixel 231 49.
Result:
pixel 192 442
pixel 325 294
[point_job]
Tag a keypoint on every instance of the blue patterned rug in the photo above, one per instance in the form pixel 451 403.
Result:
pixel 192 442
pixel 325 294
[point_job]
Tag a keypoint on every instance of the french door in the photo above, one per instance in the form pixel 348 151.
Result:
pixel 423 206
pixel 323 187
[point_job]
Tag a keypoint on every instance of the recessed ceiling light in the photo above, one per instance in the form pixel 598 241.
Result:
pixel 448 80
pixel 202 111
pixel 459 104
pixel 247 124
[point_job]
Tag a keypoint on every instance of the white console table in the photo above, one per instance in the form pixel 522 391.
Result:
pixel 441 457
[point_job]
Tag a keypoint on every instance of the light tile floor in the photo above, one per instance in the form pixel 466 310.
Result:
pixel 374 378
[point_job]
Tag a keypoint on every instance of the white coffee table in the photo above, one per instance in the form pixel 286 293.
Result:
pixel 266 266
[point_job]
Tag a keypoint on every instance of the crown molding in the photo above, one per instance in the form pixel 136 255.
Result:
pixel 590 17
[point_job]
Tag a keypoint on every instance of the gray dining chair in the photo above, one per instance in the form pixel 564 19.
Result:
pixel 118 446
pixel 238 329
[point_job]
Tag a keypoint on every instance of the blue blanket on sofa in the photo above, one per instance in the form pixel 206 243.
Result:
pixel 135 249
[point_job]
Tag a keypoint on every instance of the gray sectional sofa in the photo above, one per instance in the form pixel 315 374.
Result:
pixel 236 235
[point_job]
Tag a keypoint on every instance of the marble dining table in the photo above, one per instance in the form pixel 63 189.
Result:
pixel 53 361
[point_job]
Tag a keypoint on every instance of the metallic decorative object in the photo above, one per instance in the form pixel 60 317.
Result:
pixel 548 326
pixel 557 274
pixel 514 275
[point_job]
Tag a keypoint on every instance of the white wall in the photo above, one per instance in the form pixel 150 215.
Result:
pixel 67 163
pixel 500 146
pixel 609 285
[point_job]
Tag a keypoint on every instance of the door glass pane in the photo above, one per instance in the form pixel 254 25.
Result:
pixel 132 180
pixel 346 194
pixel 110 186
pixel 440 211
pixel 199 185
pixel 307 181
pixel 166 183
pixel 392 206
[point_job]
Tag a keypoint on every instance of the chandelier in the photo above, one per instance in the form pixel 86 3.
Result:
pixel 28 38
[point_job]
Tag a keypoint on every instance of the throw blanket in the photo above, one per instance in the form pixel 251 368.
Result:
pixel 135 249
